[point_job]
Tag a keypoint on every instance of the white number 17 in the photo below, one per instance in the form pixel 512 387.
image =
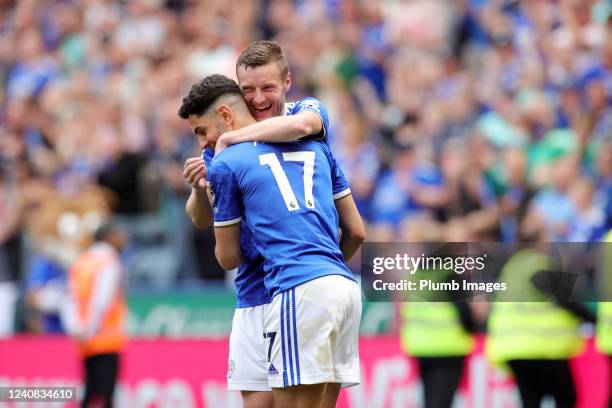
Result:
pixel 308 158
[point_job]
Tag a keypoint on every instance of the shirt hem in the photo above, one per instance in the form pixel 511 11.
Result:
pixel 342 194
pixel 253 304
pixel 228 222
pixel 301 282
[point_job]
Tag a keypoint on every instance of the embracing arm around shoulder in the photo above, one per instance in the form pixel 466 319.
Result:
pixel 287 128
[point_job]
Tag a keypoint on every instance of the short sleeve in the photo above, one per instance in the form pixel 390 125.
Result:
pixel 207 156
pixel 340 184
pixel 227 202
pixel 313 105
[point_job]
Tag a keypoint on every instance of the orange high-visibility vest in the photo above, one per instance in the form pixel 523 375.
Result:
pixel 83 275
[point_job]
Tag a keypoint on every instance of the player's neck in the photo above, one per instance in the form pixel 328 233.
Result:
pixel 239 123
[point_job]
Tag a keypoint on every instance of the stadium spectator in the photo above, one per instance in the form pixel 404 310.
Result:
pixel 438 333
pixel 98 313
pixel 45 287
pixel 534 329
pixel 10 256
pixel 604 310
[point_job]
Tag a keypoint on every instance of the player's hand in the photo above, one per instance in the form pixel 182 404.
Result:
pixel 194 172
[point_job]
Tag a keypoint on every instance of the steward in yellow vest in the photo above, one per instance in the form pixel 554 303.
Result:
pixel 537 338
pixel 604 310
pixel 603 339
pixel 437 334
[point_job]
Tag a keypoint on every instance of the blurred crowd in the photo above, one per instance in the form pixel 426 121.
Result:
pixel 493 115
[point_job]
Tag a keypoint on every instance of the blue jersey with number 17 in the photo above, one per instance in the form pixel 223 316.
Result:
pixel 250 288
pixel 285 195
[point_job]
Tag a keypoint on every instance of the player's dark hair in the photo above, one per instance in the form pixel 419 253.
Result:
pixel 262 52
pixel 204 94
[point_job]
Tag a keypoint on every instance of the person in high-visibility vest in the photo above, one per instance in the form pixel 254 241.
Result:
pixel 96 290
pixel 535 338
pixel 603 338
pixel 438 333
pixel 433 333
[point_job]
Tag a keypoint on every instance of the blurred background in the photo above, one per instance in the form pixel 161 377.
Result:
pixel 492 116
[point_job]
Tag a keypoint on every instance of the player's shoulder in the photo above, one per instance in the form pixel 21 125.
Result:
pixel 316 145
pixel 308 102
pixel 225 161
pixel 307 99
pixel 234 153
pixel 289 108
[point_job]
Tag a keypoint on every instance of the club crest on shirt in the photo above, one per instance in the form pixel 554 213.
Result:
pixel 212 192
pixel 311 105
pixel 212 198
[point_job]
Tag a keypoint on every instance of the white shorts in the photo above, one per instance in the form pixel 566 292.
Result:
pixel 247 368
pixel 312 333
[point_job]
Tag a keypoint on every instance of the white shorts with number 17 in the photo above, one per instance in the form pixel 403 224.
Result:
pixel 312 333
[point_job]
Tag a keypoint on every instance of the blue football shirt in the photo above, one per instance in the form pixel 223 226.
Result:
pixel 250 288
pixel 311 104
pixel 284 193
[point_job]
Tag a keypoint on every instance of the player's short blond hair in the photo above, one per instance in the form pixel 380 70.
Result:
pixel 261 53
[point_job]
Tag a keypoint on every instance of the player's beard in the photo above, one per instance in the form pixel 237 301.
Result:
pixel 220 128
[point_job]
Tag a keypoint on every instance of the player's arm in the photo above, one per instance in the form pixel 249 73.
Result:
pixel 199 209
pixel 309 119
pixel 227 248
pixel 351 225
pixel 227 215
pixel 198 204
pixel 277 129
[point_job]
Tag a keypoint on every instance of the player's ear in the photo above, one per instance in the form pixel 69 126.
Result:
pixel 225 114
pixel 287 82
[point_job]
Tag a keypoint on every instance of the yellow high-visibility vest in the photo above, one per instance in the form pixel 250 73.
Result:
pixel 603 339
pixel 530 330
pixel 433 329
